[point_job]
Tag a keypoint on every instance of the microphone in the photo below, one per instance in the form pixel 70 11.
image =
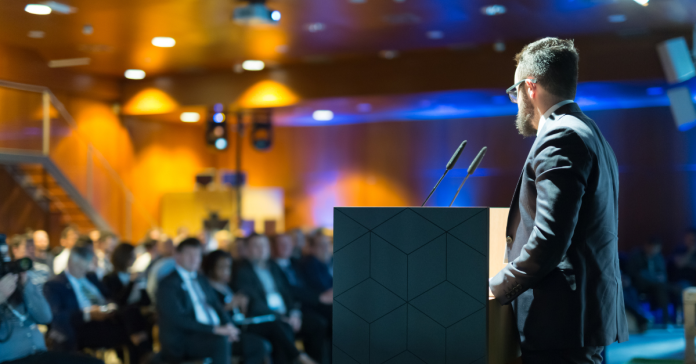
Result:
pixel 472 168
pixel 449 166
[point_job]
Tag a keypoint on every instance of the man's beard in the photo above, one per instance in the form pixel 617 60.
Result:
pixel 525 115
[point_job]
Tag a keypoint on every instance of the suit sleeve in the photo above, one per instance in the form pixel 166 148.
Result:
pixel 37 306
pixel 170 309
pixel 561 168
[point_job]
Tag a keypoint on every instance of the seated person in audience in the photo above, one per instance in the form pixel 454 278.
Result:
pixel 161 268
pixel 648 272
pixel 40 273
pixel 68 238
pixel 143 261
pixel 127 288
pixel 317 266
pixel 25 308
pixel 217 266
pixel 103 248
pixel 685 258
pixel 82 317
pixel 632 304
pixel 42 249
pixel 299 243
pixel 192 322
pixel 269 292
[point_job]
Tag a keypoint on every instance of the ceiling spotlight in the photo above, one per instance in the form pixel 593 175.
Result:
pixel 617 18
pixel 37 9
pixel 642 2
pixel 494 10
pixel 190 117
pixel 255 13
pixel 275 15
pixel 163 42
pixel 60 7
pixel 315 27
pixel 135 74
pixel 323 115
pixel 36 34
pixel 253 65
pixel 221 144
pixel 219 117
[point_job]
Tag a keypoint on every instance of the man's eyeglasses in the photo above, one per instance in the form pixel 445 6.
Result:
pixel 512 91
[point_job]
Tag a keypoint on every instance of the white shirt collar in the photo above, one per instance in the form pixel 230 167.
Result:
pixel 283 263
pixel 186 274
pixel 550 111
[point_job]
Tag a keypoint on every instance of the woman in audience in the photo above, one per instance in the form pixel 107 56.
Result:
pixel 127 288
pixel 217 266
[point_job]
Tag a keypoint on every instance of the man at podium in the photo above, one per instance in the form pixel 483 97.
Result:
pixel 563 278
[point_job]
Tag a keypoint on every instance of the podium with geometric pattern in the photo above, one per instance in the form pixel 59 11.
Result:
pixel 411 285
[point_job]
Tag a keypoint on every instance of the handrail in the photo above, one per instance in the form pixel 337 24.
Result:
pixel 73 125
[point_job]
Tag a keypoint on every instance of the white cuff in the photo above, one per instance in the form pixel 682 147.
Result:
pixel 86 315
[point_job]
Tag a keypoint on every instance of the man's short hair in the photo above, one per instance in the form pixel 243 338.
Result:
pixel 64 233
pixel 84 252
pixel 554 63
pixel 188 243
pixel 103 235
pixel 249 238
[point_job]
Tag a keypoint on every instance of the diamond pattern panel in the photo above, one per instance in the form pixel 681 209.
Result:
pixel 380 303
pixel 408 231
pixel 463 345
pixel 410 285
pixel 446 304
pixel 425 268
pixel 388 266
pixel 388 335
pixel 352 264
pixel 466 268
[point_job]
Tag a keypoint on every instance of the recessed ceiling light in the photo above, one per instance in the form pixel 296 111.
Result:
pixel 37 9
pixel 60 7
pixel 323 115
pixel 316 27
pixel 435 34
pixel 617 18
pixel 190 117
pixel 252 65
pixel 71 62
pixel 135 74
pixel 494 10
pixel 275 15
pixel 36 34
pixel 163 42
pixel 642 2
pixel 499 47
pixel 389 54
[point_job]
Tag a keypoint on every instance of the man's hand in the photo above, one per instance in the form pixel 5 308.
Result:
pixel 326 298
pixel 229 330
pixel 97 314
pixel 8 284
pixel 295 321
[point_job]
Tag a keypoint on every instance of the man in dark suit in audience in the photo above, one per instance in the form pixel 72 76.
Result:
pixel 563 279
pixel 82 317
pixel 269 292
pixel 192 322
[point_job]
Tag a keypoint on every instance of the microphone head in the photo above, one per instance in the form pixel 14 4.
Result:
pixel 455 156
pixel 477 161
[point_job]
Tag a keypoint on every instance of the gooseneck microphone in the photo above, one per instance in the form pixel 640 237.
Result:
pixel 450 165
pixel 472 168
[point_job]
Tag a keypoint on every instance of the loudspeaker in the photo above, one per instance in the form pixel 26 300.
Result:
pixel 676 60
pixel 683 108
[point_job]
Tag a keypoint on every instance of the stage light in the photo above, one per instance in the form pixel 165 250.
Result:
pixel 494 10
pixel 617 18
pixel 642 2
pixel 37 9
pixel 190 117
pixel 253 65
pixel 275 15
pixel 135 74
pixel 163 42
pixel 323 115
pixel 221 144
pixel 219 117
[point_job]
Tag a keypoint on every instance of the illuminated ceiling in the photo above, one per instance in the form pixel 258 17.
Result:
pixel 311 30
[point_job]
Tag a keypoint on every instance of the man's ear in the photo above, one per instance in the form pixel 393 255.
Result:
pixel 531 90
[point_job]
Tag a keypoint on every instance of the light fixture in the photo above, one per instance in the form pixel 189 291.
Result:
pixel 221 144
pixel 315 27
pixel 135 74
pixel 642 2
pixel 163 42
pixel 219 117
pixel 275 15
pixel 87 29
pixel 70 62
pixel 617 18
pixel 37 9
pixel 251 65
pixel 36 34
pixel 323 115
pixel 494 10
pixel 190 117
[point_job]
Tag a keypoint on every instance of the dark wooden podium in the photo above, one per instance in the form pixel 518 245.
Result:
pixel 411 286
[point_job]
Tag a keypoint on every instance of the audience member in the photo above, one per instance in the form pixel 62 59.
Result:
pixel 192 322
pixel 181 234
pixel 318 264
pixel 127 288
pixel 94 235
pixel 68 238
pixel 648 272
pixel 103 248
pixel 82 317
pixel 22 342
pixel 42 249
pixel 217 266
pixel 143 261
pixel 299 242
pixel 685 258
pixel 269 293
pixel 40 273
pixel 161 267
pixel 632 304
